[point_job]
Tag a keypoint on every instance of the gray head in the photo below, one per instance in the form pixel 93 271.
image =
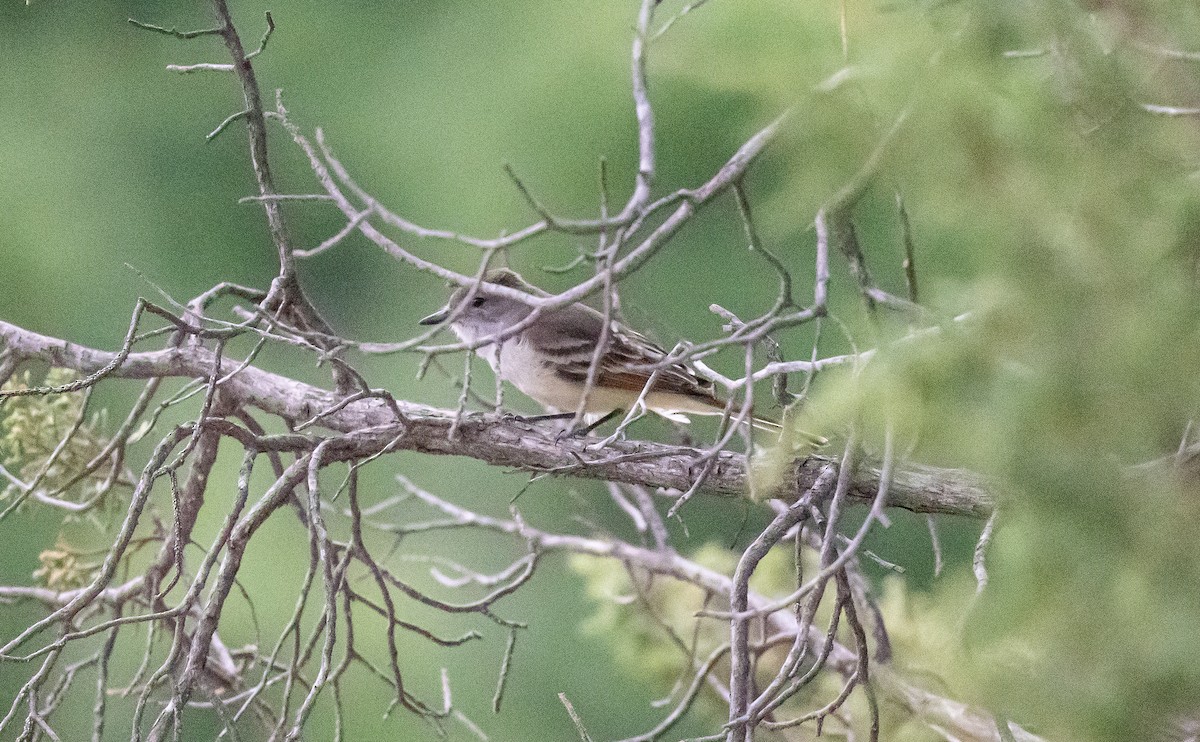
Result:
pixel 484 314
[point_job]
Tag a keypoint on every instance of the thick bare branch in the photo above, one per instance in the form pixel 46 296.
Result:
pixel 499 440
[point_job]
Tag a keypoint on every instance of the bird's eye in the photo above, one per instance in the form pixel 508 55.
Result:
pixel 478 301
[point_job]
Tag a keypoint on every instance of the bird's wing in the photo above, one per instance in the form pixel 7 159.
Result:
pixel 568 338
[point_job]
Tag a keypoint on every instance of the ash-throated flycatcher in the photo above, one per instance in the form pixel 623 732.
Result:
pixel 550 359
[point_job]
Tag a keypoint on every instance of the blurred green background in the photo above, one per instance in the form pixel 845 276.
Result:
pixel 1043 199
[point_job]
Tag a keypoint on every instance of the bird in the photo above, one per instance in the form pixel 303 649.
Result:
pixel 550 360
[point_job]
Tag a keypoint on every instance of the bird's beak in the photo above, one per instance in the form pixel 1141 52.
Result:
pixel 437 317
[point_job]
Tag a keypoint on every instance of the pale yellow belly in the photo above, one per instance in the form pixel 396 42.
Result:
pixel 519 366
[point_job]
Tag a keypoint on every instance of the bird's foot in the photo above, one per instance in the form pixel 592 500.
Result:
pixel 581 431
pixel 516 418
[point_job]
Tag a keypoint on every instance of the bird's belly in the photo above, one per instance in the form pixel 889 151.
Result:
pixel 524 369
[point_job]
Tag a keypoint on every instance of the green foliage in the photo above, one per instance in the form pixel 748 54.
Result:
pixel 1071 217
pixel 47 439
pixel 641 617
pixel 65 568
pixel 1062 216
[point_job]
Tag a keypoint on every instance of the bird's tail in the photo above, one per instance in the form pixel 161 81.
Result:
pixel 770 426
pixel 715 406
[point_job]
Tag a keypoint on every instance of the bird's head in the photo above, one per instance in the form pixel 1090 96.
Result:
pixel 475 313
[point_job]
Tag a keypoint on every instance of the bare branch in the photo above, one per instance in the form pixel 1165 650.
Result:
pixel 497 440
